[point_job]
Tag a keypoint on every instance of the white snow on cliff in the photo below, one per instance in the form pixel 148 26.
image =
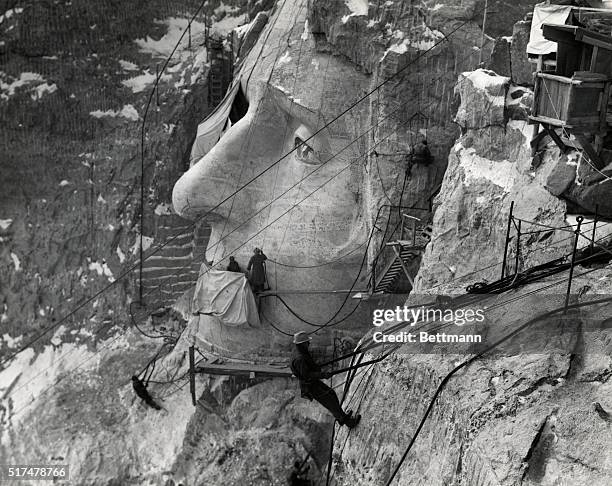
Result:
pixel 163 47
pixel 501 173
pixel 34 82
pixel 16 261
pixel 128 111
pixel 141 82
pixel 357 8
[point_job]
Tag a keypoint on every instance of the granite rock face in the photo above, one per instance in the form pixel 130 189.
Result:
pixel 74 94
pixel 530 410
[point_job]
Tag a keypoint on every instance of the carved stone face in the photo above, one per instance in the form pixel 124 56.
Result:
pixel 296 220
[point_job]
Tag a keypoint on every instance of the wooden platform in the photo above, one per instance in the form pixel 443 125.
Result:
pixel 245 369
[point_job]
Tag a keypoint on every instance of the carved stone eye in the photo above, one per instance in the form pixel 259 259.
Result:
pixel 304 152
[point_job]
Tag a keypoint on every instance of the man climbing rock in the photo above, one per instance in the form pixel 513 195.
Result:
pixel 142 392
pixel 258 270
pixel 309 373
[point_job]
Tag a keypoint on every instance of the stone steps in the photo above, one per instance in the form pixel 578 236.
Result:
pixel 174 269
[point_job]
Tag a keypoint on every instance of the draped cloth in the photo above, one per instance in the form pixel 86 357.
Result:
pixel 211 129
pixel 226 297
pixel 545 14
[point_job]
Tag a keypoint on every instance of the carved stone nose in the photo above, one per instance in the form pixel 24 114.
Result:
pixel 214 178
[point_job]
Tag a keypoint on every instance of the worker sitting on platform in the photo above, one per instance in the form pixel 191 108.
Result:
pixel 233 265
pixel 258 270
pixel 310 375
pixel 141 390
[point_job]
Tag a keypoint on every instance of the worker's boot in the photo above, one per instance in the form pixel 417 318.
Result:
pixel 351 421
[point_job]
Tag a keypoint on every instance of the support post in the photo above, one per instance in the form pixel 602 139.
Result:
pixel 374 275
pixel 192 374
pixel 157 84
pixel 189 28
pixel 482 37
pixel 579 220
pixel 594 227
pixel 510 216
pixel 518 247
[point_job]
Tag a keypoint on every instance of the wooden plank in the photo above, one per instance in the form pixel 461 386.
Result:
pixel 550 121
pixel 589 38
pixel 245 369
pixel 537 138
pixel 556 138
pixel 560 79
pixel 404 268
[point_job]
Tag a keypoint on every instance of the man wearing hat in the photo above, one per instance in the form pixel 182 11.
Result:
pixel 309 373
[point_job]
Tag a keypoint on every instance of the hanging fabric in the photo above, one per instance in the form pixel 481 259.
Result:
pixel 212 128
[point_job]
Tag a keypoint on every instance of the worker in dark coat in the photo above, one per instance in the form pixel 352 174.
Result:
pixel 309 373
pixel 421 153
pixel 258 270
pixel 233 265
pixel 299 475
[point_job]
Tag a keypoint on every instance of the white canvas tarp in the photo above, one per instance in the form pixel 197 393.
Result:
pixel 545 14
pixel 226 296
pixel 211 129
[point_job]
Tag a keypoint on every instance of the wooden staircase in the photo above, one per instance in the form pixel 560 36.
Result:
pixel 404 253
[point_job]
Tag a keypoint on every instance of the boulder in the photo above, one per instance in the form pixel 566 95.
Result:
pixel 483 96
pixel 500 57
pixel 522 69
pixel 561 177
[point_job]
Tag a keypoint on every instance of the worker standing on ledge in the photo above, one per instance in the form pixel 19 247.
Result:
pixel 309 373
pixel 258 271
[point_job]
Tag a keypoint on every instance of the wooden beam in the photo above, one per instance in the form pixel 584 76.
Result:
pixel 588 148
pixel 538 136
pixel 404 268
pixel 556 138
pixel 593 59
pixel 550 121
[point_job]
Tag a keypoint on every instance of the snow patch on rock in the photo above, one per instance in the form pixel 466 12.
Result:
pixel 163 209
pixel 128 112
pixel 164 46
pixel 357 7
pixel 34 81
pixel 127 65
pixel 101 269
pixel 120 254
pixel 32 376
pixel 8 340
pixel 9 13
pixel 16 261
pixel 141 82
pixel 5 223
pixel 500 173
pixel 486 80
